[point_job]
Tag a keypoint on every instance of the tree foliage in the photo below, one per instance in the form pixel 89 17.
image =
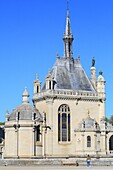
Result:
pixel 111 120
pixel 2 123
pixel 108 120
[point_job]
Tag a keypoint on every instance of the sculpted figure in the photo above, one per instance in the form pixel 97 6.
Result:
pixel 93 62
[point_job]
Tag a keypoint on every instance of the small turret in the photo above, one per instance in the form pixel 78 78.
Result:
pixel 93 73
pixel 101 93
pixel 37 85
pixel 101 85
pixel 49 81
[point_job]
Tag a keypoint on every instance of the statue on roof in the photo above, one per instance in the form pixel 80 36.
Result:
pixel 93 62
pixel 100 73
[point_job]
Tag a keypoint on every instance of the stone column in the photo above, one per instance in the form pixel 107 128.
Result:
pixel 83 142
pixel 103 142
pixel 49 122
pixel 96 143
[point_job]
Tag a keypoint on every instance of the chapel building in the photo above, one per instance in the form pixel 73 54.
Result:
pixel 67 116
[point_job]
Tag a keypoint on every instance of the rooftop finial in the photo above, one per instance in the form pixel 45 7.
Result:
pixel 36 76
pixel 25 96
pixel 49 72
pixel 7 115
pixel 100 73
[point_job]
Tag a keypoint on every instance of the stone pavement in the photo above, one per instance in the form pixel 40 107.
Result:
pixel 38 167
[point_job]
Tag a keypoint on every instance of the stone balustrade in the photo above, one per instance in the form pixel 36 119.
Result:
pixel 65 93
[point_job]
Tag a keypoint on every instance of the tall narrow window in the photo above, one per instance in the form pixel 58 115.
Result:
pixel 64 127
pixel 88 141
pixel 59 127
pixel 38 133
pixel 64 123
pixel 49 84
pixel 37 89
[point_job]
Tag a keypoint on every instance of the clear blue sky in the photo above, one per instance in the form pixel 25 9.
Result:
pixel 31 33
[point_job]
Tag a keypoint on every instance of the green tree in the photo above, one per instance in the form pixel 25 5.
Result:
pixel 2 123
pixel 111 119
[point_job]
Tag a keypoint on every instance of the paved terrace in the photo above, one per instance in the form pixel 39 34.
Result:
pixel 55 163
pixel 38 167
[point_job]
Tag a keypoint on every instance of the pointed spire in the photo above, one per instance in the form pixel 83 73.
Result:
pixel 68 26
pixel 25 96
pixel 68 37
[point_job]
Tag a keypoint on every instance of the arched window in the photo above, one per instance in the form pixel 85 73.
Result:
pixel 88 141
pixel 111 143
pixel 64 123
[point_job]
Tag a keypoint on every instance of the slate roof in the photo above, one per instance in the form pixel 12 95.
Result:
pixel 69 74
pixel 25 111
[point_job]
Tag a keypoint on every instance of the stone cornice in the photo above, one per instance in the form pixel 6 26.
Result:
pixel 20 125
pixel 87 130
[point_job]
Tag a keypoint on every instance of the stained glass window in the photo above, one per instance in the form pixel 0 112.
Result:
pixel 64 123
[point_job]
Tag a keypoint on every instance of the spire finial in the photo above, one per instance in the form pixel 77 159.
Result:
pixel 49 72
pixel 67 7
pixel 36 76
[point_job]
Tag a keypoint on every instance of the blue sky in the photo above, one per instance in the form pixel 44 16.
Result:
pixel 31 34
